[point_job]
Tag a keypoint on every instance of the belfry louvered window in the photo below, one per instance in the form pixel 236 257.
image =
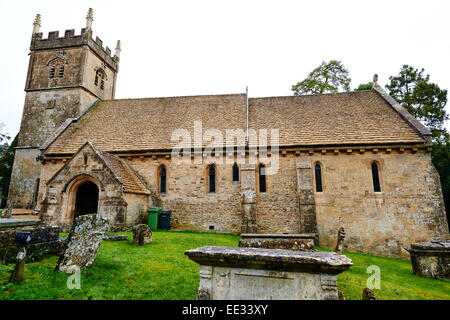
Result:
pixel 52 72
pixel 61 72
pixel 100 79
pixel 375 178
pixel 212 179
pixel 318 177
pixel 162 179
pixel 235 172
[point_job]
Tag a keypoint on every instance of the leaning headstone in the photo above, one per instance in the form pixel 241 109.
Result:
pixel 340 241
pixel 368 294
pixel 141 234
pixel 82 244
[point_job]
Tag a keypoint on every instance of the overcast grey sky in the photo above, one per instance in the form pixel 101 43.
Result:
pixel 173 48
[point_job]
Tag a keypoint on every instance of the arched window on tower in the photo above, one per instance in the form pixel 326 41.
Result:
pixel 235 172
pixel 100 77
pixel 262 178
pixel 162 179
pixel 212 179
pixel 376 177
pixel 318 177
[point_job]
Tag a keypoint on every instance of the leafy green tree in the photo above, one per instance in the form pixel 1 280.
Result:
pixel 328 77
pixel 441 160
pixel 365 86
pixel 423 99
pixel 6 159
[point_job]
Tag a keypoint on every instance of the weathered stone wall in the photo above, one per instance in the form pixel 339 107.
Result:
pixel 41 61
pixel 193 208
pixel 44 240
pixel 277 209
pixel 137 208
pixel 408 209
pixel 93 63
pixel 24 178
pixel 45 111
pixel 57 206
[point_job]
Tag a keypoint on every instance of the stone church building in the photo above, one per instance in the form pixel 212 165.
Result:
pixel 353 159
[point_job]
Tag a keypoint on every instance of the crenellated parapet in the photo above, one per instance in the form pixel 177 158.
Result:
pixel 54 41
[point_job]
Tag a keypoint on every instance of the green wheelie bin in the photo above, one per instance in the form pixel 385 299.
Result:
pixel 153 214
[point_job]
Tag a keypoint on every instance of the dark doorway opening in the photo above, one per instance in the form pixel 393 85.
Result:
pixel 86 201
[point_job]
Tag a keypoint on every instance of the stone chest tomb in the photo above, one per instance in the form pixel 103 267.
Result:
pixel 230 273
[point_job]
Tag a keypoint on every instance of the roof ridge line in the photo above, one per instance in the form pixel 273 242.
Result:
pixel 173 97
pixel 101 155
pixel 415 124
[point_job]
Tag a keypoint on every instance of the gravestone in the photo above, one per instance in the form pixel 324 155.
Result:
pixel 82 244
pixel 141 234
pixel 368 294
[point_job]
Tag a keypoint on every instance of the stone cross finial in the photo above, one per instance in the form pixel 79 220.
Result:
pixel 375 78
pixel 89 19
pixel 37 24
pixel 118 49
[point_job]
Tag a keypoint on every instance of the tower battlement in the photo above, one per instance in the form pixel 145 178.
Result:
pixel 54 41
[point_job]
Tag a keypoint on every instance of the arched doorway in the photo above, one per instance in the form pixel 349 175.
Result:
pixel 86 199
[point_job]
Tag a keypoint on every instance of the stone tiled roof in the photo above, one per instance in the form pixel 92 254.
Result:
pixel 357 118
pixel 353 118
pixel 148 124
pixel 123 172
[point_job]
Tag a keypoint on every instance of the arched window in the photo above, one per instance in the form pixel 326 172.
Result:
pixel 318 176
pixel 100 77
pixel 262 178
pixel 235 172
pixel 212 179
pixel 375 178
pixel 56 65
pixel 162 179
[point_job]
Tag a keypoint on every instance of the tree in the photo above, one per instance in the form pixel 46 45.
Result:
pixel 364 86
pixel 6 158
pixel 423 99
pixel 441 160
pixel 328 77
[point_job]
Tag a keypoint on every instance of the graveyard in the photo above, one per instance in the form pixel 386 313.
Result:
pixel 160 270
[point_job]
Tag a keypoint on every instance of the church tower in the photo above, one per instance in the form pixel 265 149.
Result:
pixel 66 75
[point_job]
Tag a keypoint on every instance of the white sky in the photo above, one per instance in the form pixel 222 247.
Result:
pixel 173 48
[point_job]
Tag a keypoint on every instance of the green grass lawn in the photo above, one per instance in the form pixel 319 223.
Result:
pixel 161 271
